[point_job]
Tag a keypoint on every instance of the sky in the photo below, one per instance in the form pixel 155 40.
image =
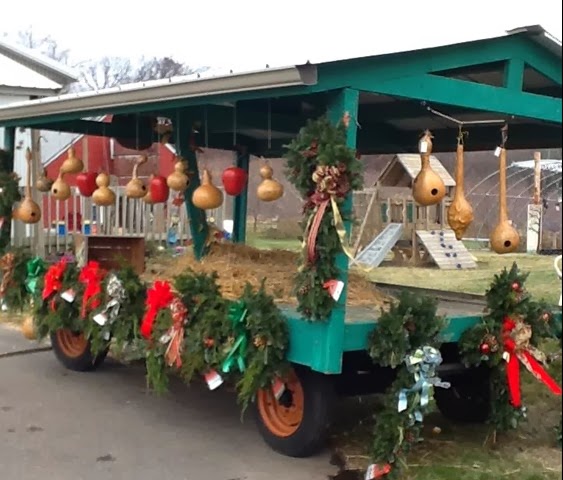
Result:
pixel 250 34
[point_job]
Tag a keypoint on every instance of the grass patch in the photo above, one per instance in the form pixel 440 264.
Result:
pixel 459 451
pixel 542 282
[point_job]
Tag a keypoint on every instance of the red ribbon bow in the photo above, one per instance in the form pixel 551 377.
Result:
pixel 159 296
pixel 91 276
pixel 516 336
pixel 53 281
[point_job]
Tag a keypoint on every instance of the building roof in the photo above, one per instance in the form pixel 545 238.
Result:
pixel 23 68
pixel 411 164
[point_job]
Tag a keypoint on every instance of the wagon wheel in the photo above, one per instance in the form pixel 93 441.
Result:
pixel 297 423
pixel 74 352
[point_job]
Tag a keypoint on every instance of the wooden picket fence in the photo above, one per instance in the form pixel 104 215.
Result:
pixel 129 217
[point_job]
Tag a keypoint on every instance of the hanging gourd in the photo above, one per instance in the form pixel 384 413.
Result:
pixel 43 183
pixel 103 196
pixel 159 191
pixel 428 187
pixel 207 196
pixel 27 211
pixel 460 212
pixel 178 180
pixel 135 188
pixel 269 189
pixel 234 180
pixel 504 238
pixel 60 190
pixel 72 164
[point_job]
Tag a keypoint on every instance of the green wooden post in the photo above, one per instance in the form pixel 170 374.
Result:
pixel 197 217
pixel 514 74
pixel 241 201
pixel 10 147
pixel 329 354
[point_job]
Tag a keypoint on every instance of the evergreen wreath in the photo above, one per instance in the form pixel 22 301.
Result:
pixel 509 332
pixel 324 170
pixel 14 286
pixel 9 195
pixel 406 339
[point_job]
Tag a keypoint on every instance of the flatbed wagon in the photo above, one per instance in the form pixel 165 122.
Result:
pixel 259 112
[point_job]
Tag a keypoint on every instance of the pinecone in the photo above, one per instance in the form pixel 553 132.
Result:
pixel 260 341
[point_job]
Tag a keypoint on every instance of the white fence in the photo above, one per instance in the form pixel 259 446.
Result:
pixel 129 217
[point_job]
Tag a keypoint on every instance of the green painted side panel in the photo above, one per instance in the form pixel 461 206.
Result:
pixel 461 93
pixel 240 204
pixel 307 339
pixel 514 74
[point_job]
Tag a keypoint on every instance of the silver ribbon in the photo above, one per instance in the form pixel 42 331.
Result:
pixel 117 294
pixel 422 364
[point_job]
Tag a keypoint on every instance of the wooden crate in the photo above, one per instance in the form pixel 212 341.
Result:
pixel 113 252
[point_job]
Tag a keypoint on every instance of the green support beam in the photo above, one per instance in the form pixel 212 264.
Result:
pixel 197 218
pixel 449 91
pixel 10 147
pixel 328 354
pixel 241 201
pixel 514 74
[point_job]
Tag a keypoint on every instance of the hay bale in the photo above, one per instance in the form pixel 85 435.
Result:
pixel 238 264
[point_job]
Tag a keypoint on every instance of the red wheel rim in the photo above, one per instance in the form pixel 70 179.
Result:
pixel 71 344
pixel 282 417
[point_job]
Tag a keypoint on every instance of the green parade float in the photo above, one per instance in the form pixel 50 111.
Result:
pixel 290 363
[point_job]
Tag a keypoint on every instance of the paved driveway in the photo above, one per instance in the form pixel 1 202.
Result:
pixel 61 425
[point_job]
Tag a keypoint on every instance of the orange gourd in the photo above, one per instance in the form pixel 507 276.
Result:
pixel 428 187
pixel 504 238
pixel 460 212
pixel 28 211
pixel 207 196
pixel 135 188
pixel 178 180
pixel 103 196
pixel 269 189
pixel 72 163
pixel 43 183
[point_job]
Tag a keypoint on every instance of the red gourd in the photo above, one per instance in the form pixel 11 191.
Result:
pixel 159 190
pixel 86 183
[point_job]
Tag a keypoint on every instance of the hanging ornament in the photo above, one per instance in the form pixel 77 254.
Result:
pixel 60 189
pixel 269 189
pixel 43 183
pixel 504 238
pixel 103 196
pixel 460 212
pixel 178 180
pixel 86 183
pixel 72 164
pixel 135 188
pixel 485 348
pixel 158 189
pixel 234 180
pixel 207 196
pixel 428 187
pixel 28 211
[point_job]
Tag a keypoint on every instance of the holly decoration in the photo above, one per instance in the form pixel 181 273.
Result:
pixel 324 170
pixel 512 327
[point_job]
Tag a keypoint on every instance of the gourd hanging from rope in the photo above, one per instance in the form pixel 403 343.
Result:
pixel 60 189
pixel 428 187
pixel 504 238
pixel 103 196
pixel 460 212
pixel 43 183
pixel 269 189
pixel 72 163
pixel 178 180
pixel 135 188
pixel 207 196
pixel 28 211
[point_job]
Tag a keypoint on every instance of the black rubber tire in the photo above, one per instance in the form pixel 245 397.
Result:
pixel 468 398
pixel 311 436
pixel 84 363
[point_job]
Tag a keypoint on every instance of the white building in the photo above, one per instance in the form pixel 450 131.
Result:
pixel 27 75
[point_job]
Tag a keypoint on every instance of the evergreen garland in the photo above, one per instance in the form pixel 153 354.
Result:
pixel 483 344
pixel 321 144
pixel 9 195
pixel 410 325
pixel 17 297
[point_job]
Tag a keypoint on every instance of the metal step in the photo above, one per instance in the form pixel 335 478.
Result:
pixel 380 246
